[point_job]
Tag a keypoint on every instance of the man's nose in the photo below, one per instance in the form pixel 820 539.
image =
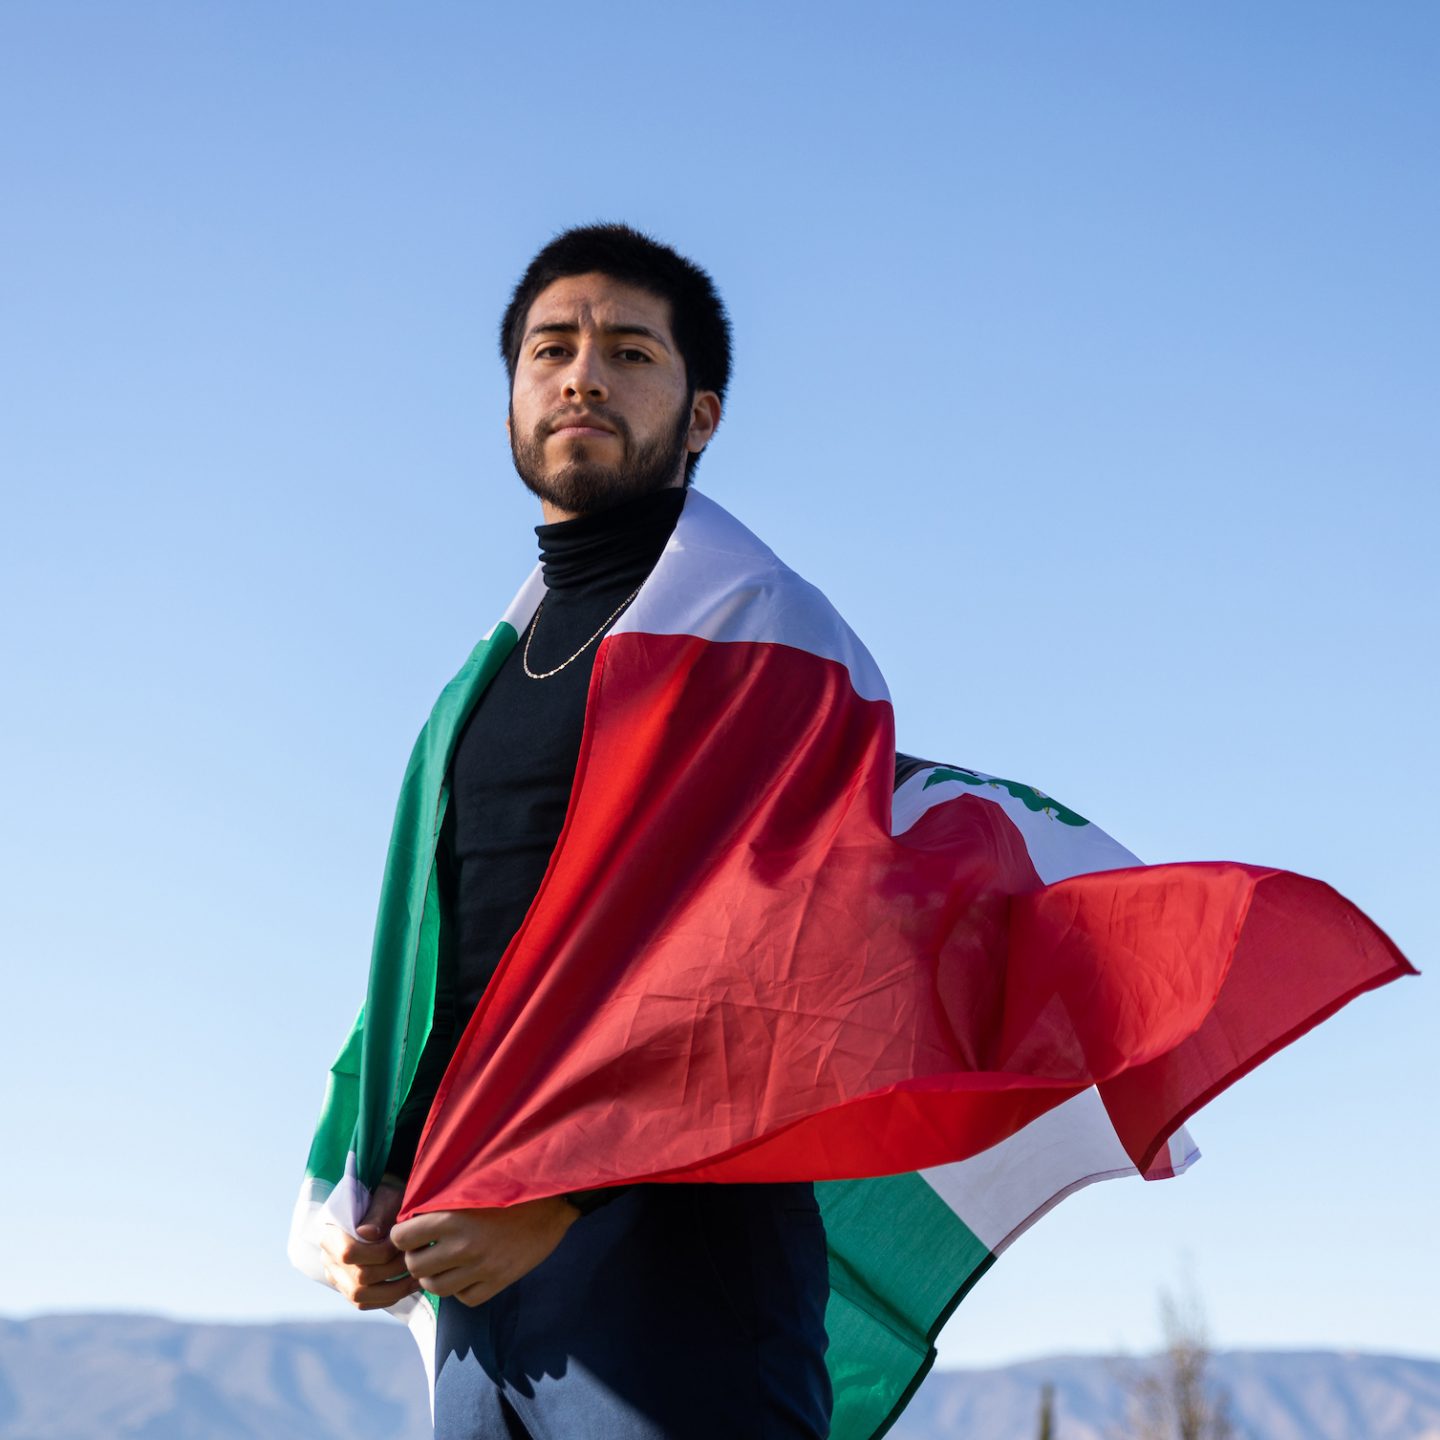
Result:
pixel 585 379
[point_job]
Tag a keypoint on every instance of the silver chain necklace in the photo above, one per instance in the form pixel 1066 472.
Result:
pixel 530 635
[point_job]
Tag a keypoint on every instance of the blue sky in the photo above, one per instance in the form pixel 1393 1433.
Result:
pixel 1086 356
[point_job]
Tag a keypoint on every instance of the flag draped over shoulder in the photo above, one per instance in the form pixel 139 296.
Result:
pixel 753 957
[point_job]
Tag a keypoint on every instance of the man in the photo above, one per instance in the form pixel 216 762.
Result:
pixel 664 1310
pixel 658 947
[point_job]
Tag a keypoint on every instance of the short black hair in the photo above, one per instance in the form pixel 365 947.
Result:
pixel 697 314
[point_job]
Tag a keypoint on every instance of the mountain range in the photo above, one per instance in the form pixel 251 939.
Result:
pixel 139 1377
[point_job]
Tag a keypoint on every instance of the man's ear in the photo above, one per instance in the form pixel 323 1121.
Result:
pixel 704 420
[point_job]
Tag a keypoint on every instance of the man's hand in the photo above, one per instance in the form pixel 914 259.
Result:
pixel 369 1271
pixel 474 1254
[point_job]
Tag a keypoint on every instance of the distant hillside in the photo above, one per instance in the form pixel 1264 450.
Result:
pixel 134 1377
pixel 131 1377
pixel 1316 1395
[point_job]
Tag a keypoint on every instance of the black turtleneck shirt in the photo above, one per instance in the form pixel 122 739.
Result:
pixel 514 767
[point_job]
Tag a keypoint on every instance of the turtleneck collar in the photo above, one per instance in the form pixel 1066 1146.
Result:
pixel 619 543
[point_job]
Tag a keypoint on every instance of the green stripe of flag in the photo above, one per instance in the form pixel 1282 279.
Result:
pixel 900 1261
pixel 370 1080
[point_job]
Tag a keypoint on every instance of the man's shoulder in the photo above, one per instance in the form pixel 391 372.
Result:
pixel 719 581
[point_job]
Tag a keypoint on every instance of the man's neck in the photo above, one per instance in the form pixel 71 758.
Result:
pixel 552 513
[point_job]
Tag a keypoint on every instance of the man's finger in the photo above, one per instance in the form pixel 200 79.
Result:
pixel 382 1274
pixel 347 1250
pixel 375 1297
pixel 384 1205
pixel 370 1288
pixel 447 1282
pixel 420 1230
pixel 431 1260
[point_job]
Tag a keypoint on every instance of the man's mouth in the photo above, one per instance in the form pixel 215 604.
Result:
pixel 582 427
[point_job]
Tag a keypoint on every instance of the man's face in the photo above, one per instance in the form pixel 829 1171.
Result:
pixel 601 410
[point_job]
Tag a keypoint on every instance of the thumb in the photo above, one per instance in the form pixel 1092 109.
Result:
pixel 380 1213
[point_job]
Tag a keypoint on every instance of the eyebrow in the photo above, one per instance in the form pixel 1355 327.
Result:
pixel 571 327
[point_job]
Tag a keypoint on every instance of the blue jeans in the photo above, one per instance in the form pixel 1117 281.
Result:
pixel 676 1312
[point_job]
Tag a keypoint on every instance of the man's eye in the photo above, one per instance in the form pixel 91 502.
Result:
pixel 631 354
pixel 547 352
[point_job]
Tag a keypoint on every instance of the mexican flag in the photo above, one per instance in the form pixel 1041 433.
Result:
pixel 754 957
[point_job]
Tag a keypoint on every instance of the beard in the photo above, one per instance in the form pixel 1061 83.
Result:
pixel 583 485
